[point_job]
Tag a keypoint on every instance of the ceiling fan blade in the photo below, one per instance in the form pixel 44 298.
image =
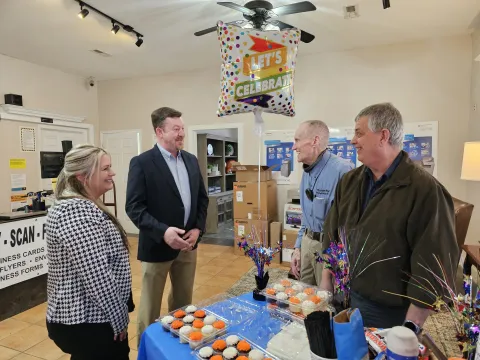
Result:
pixel 304 36
pixel 237 7
pixel 299 7
pixel 206 31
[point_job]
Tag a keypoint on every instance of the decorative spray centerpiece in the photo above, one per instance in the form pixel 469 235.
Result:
pixel 254 246
pixel 347 259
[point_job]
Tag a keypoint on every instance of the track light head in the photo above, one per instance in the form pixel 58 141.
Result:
pixel 83 13
pixel 386 4
pixel 139 41
pixel 115 28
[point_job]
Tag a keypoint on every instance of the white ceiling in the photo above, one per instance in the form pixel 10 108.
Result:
pixel 49 32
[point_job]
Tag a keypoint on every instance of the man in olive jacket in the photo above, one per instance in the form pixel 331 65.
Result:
pixel 391 199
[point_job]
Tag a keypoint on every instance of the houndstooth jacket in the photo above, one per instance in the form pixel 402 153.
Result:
pixel 89 278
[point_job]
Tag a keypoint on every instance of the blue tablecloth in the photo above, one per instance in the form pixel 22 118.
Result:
pixel 157 344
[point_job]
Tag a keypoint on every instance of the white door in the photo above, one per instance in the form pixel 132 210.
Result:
pixel 122 146
pixel 51 138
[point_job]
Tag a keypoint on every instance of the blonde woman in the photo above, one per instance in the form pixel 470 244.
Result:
pixel 89 280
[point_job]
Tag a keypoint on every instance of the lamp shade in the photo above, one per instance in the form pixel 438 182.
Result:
pixel 471 161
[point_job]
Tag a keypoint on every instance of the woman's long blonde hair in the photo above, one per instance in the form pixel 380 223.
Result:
pixel 83 160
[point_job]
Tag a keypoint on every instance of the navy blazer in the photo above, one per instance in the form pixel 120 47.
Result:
pixel 154 203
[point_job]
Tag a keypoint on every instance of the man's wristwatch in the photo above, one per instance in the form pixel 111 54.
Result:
pixel 412 326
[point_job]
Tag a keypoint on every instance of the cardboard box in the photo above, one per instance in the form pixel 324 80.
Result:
pixel 245 200
pixel 243 227
pixel 289 238
pixel 275 237
pixel 249 173
pixel 292 215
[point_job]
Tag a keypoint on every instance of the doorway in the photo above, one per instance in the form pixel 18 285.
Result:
pixel 122 146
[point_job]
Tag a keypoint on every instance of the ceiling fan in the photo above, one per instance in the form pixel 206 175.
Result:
pixel 259 13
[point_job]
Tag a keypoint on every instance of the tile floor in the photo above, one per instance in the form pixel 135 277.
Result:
pixel 24 336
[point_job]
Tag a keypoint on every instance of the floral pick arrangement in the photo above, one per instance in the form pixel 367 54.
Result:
pixel 254 246
pixel 348 258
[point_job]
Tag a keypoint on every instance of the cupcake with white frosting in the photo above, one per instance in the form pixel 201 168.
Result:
pixel 184 332
pixel 166 322
pixel 209 320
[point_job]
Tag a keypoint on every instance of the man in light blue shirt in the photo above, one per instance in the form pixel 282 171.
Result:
pixel 322 172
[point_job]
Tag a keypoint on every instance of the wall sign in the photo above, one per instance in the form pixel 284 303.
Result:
pixel 23 250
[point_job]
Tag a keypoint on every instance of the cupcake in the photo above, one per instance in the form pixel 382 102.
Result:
pixel 184 333
pixel 166 321
pixel 270 295
pixel 302 296
pixel 230 353
pixel 195 338
pixel 243 346
pixel 199 314
pixel 279 287
pixel 282 299
pixel 309 291
pixel 295 305
pixel 189 319
pixel 190 309
pixel 315 299
pixel 177 324
pixel 219 325
pixel 242 358
pixel 290 292
pixel 208 330
pixel 216 357
pixel 209 320
pixel 297 287
pixel 179 314
pixel 286 283
pixel 256 355
pixel 324 295
pixel 219 345
pixel 232 340
pixel 308 307
pixel 205 352
pixel 198 324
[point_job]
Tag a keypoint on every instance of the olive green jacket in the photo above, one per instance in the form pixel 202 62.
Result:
pixel 414 215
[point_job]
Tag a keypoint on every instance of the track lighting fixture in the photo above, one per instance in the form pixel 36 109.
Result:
pixel 386 4
pixel 116 25
pixel 115 28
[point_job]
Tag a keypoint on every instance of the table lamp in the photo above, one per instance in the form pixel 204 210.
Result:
pixel 471 161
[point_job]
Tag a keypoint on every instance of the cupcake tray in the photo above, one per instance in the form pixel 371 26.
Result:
pixel 186 340
pixel 253 345
pixel 317 299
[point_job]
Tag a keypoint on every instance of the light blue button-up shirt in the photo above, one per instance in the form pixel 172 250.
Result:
pixel 180 174
pixel 323 180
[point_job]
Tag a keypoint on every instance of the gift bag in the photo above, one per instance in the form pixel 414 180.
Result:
pixel 350 336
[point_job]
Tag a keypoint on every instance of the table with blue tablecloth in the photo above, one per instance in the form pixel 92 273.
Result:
pixel 157 344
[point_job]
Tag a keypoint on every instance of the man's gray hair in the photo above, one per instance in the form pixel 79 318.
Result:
pixel 385 116
pixel 320 129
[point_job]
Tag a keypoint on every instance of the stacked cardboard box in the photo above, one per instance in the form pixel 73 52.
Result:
pixel 253 213
pixel 291 225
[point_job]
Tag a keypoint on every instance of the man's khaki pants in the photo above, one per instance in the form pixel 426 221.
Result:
pixel 310 269
pixel 154 277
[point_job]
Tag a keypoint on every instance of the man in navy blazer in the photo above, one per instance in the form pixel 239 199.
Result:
pixel 167 201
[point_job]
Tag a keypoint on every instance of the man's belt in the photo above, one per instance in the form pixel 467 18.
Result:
pixel 313 235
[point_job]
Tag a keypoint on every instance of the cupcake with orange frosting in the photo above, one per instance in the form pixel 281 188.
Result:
pixel 309 291
pixel 216 357
pixel 290 292
pixel 243 347
pixel 295 306
pixel 179 314
pixel 199 314
pixel 286 283
pixel 195 338
pixel 219 345
pixel 198 324
pixel 176 325
pixel 271 292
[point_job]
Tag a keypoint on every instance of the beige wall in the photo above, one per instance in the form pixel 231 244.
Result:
pixel 42 89
pixel 428 80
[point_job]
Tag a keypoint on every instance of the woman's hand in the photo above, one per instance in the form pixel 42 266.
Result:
pixel 121 337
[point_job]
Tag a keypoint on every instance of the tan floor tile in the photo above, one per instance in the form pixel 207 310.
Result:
pixel 202 278
pixel 132 330
pixel 163 311
pixel 11 326
pixel 25 338
pixel 133 343
pixel 220 262
pixel 224 281
pixel 41 323
pixel 6 353
pixel 136 267
pixel 133 315
pixel 133 355
pixel 45 350
pixel 234 271
pixel 65 357
pixel 136 281
pixel 34 314
pixel 209 269
pixel 205 291
pixel 25 357
pixel 203 261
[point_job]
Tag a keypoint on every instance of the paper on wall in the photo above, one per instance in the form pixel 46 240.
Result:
pixel 27 138
pixel 18 182
pixel 18 163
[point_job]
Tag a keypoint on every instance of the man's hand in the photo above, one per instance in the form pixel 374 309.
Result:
pixel 326 283
pixel 191 237
pixel 295 264
pixel 173 239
